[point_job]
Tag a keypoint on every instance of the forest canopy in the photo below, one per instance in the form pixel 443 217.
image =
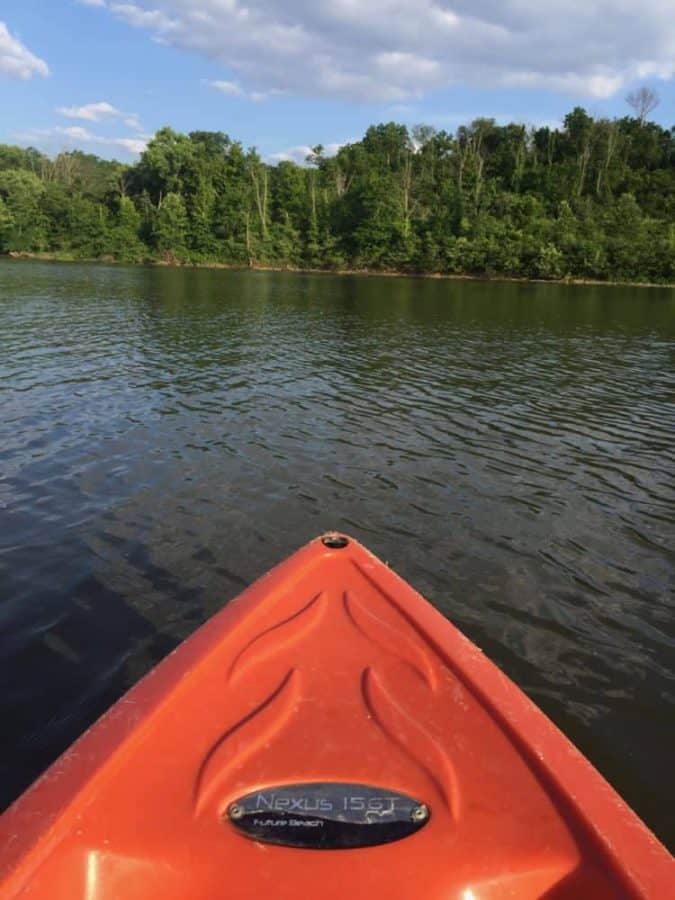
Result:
pixel 593 199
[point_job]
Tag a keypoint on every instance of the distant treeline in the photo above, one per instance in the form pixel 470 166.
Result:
pixel 595 199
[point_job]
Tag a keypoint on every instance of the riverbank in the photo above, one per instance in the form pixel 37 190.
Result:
pixel 367 273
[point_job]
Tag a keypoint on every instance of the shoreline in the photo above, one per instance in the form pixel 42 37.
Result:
pixel 18 256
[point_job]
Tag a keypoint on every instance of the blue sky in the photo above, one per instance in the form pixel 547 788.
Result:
pixel 285 74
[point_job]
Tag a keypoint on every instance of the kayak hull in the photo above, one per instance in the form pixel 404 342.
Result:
pixel 329 670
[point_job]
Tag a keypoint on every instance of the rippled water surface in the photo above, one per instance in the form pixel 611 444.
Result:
pixel 167 436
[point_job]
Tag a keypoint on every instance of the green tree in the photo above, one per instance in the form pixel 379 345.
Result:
pixel 124 232
pixel 164 166
pixel 202 240
pixel 6 225
pixel 171 232
pixel 594 198
pixel 22 192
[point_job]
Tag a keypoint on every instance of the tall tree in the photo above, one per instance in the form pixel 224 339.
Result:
pixel 643 100
pixel 595 198
pixel 172 228
pixel 22 192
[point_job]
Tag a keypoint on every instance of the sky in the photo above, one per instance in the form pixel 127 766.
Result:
pixel 284 75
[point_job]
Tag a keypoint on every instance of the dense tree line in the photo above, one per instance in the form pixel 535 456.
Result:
pixel 595 199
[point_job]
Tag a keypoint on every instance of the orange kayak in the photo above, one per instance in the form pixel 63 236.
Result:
pixel 328 734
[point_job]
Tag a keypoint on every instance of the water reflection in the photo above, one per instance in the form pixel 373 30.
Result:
pixel 166 436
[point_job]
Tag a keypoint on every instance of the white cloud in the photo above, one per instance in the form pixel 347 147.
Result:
pixel 132 145
pixel 91 2
pixel 394 51
pixel 300 153
pixel 16 59
pixel 75 132
pixel 261 96
pixel 98 112
pixel 231 88
pixel 75 137
pixel 600 84
pixel 91 112
pixel 234 89
pixel 296 154
pixel 143 18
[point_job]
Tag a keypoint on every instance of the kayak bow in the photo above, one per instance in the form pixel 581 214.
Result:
pixel 327 734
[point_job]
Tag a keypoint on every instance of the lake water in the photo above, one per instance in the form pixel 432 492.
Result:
pixel 168 435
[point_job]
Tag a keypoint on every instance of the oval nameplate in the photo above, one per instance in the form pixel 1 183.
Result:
pixel 327 815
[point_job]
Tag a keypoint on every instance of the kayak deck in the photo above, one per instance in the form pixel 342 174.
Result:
pixel 330 669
